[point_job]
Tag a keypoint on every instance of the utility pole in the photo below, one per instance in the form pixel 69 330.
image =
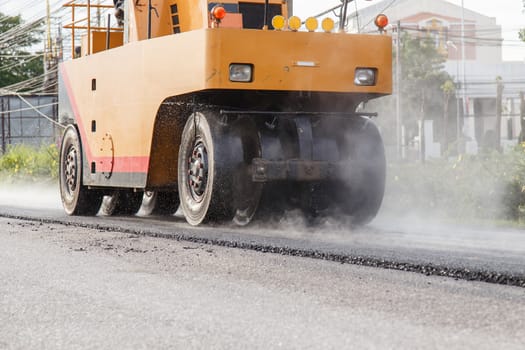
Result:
pixel 398 93
pixel 48 52
pixel 464 90
pixel 52 55
pixel 522 117
pixel 457 86
pixel 499 112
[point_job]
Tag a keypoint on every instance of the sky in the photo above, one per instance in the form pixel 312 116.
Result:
pixel 509 14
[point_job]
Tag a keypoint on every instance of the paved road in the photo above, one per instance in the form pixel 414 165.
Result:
pixel 67 287
pixel 489 254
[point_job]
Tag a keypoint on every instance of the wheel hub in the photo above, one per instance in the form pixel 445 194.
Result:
pixel 71 170
pixel 198 170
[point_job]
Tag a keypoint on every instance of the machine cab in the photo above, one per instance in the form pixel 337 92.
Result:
pixel 130 21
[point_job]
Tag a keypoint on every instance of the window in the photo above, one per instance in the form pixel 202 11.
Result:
pixel 253 14
pixel 175 18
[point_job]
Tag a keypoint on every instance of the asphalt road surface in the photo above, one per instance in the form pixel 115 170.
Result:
pixel 101 283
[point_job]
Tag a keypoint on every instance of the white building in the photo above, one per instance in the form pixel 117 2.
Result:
pixel 474 59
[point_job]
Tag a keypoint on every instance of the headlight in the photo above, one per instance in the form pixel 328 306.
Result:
pixel 241 73
pixel 365 76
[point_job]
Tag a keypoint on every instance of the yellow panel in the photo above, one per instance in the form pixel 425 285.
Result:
pixel 98 40
pixel 299 61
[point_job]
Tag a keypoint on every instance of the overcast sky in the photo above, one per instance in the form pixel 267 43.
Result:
pixel 509 14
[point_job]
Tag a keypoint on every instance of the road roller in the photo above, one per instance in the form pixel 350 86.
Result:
pixel 220 111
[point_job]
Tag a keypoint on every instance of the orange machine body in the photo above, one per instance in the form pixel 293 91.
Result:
pixel 130 102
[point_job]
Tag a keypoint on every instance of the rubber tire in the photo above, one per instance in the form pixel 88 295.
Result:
pixel 361 189
pixel 159 203
pixel 223 152
pixel 357 192
pixel 247 193
pixel 77 199
pixel 121 202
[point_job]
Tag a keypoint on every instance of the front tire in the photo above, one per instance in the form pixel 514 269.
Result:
pixel 77 199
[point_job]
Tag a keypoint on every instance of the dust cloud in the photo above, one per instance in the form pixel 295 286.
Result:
pixel 30 195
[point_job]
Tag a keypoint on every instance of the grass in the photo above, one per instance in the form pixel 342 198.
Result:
pixel 30 164
pixel 486 187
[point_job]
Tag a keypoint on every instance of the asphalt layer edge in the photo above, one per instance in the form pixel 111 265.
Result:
pixel 481 275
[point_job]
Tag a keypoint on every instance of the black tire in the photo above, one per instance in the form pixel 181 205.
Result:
pixel 121 202
pixel 246 193
pixel 159 203
pixel 361 188
pixel 77 199
pixel 210 158
pixel 357 191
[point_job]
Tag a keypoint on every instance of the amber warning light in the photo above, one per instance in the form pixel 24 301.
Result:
pixel 381 22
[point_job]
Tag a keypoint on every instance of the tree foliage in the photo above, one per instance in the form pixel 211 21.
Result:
pixel 422 79
pixel 422 75
pixel 17 62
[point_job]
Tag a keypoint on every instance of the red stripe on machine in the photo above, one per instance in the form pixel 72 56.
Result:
pixel 122 164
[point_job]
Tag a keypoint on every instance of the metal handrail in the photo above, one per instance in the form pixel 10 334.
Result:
pixel 74 22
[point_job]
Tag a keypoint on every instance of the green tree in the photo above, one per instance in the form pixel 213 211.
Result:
pixel 422 95
pixel 17 63
pixel 422 76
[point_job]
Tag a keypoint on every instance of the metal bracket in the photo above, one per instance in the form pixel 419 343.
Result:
pixel 264 170
pixel 280 113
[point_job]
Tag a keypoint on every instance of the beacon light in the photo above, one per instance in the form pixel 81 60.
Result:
pixel 381 21
pixel 328 25
pixel 278 22
pixel 312 24
pixel 294 23
pixel 218 13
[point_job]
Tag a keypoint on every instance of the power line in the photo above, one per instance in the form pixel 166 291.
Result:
pixel 10 111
